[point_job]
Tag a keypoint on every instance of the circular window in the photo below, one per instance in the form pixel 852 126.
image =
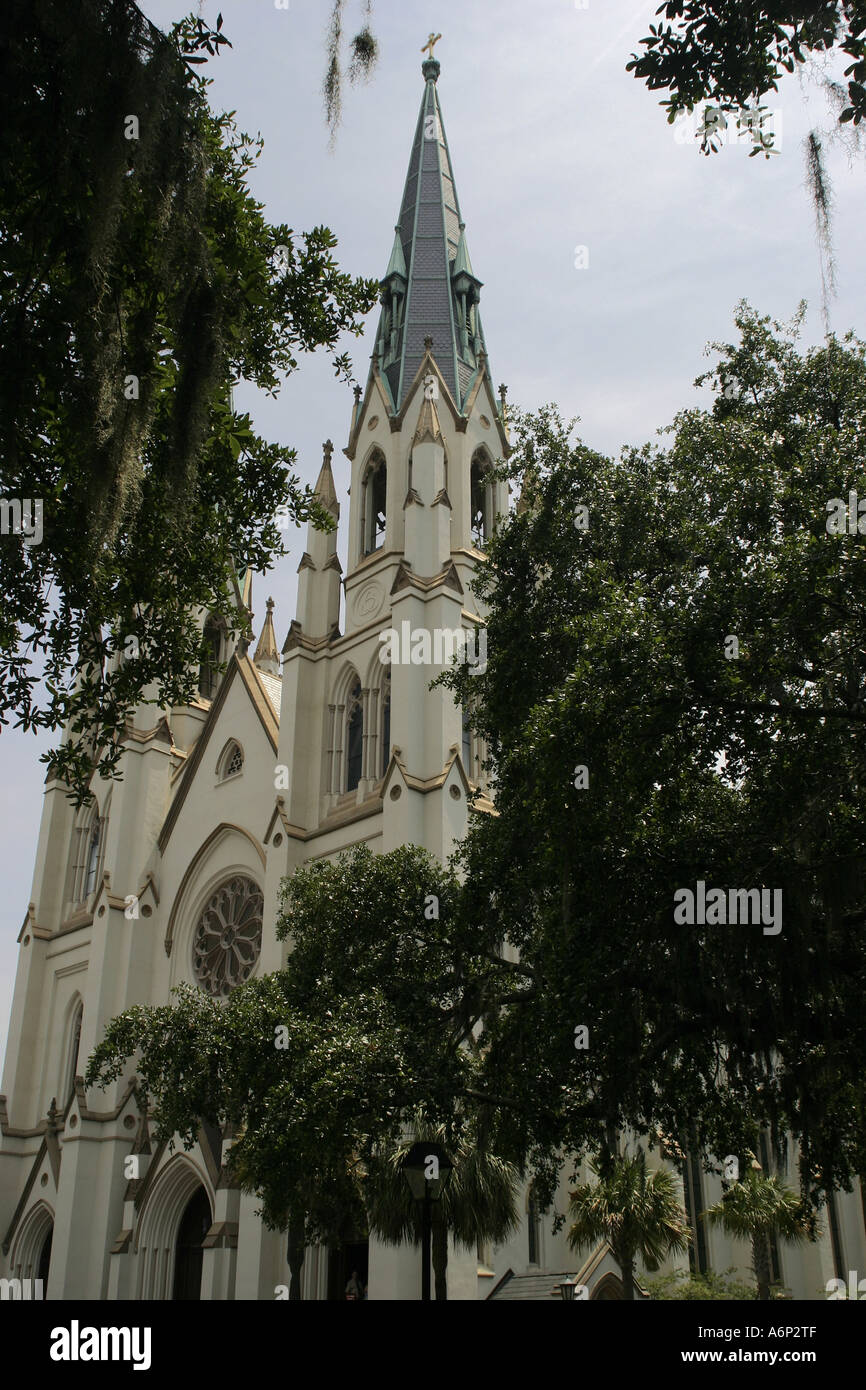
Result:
pixel 228 937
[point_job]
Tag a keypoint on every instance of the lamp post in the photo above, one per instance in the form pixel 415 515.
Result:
pixel 427 1169
pixel 568 1289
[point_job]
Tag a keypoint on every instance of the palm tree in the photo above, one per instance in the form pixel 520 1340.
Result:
pixel 756 1209
pixel 479 1202
pixel 636 1212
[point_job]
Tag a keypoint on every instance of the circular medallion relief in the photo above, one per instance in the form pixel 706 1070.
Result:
pixel 369 600
pixel 374 420
pixel 228 938
pixel 485 422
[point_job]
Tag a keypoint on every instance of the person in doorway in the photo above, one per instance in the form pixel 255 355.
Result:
pixel 353 1288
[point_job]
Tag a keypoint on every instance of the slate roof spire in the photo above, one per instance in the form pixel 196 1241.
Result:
pixel 267 655
pixel 429 286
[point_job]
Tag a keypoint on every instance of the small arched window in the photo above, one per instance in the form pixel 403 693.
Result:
pixel 354 737
pixel 231 761
pixel 480 501
pixel 375 504
pixel 208 674
pixel 74 1050
pixel 92 867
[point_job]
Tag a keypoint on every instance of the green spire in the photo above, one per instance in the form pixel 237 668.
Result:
pixel 397 263
pixel 429 288
pixel 462 263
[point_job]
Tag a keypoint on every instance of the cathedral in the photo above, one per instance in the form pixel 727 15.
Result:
pixel 288 755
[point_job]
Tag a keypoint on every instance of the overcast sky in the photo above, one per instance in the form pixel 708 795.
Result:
pixel 554 147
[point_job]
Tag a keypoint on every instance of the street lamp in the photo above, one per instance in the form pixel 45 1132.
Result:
pixel 568 1289
pixel 427 1169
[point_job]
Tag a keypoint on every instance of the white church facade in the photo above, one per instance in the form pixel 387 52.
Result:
pixel 287 757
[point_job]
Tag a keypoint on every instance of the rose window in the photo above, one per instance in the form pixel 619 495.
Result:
pixel 228 937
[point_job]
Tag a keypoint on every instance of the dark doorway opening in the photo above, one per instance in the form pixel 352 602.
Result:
pixel 45 1259
pixel 194 1226
pixel 352 1257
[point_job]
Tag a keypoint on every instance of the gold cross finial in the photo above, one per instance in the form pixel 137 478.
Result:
pixel 431 42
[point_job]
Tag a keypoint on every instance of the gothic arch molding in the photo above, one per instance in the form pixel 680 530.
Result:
pixel 607 1290
pixel 347 732
pixel 378 717
pixel 223 762
pixel 158 1224
pixel 24 1258
pixel 180 897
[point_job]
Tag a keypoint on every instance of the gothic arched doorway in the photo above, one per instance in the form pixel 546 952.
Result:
pixel 188 1249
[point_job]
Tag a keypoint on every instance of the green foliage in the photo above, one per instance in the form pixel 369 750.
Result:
pixel 758 1208
pixel 364 1014
pixel 139 279
pixel 607 648
pixel 636 1212
pixel 479 1201
pixel 709 1287
pixel 733 52
pixel 763 1205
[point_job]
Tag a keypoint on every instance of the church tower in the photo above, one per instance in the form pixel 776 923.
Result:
pixel 369 752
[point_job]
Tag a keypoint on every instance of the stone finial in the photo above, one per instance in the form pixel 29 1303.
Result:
pixel 325 490
pixel 267 656
pixel 428 343
pixel 357 395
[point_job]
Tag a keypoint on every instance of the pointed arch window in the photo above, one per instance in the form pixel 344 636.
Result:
pixel 375 503
pixel 474 750
pixel 88 853
pixel 94 851
pixel 231 761
pixel 481 500
pixel 74 1050
pixel 211 646
pixel 386 722
pixel 354 737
